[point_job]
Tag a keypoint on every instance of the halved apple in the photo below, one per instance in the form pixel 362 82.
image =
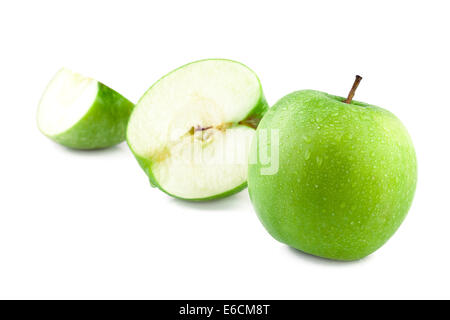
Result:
pixel 191 131
pixel 82 113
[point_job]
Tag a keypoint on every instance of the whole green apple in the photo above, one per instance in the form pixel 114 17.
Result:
pixel 342 174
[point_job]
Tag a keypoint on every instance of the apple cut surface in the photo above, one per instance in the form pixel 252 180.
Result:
pixel 82 113
pixel 191 131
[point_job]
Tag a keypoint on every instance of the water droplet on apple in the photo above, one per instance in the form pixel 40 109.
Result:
pixel 319 161
pixel 307 154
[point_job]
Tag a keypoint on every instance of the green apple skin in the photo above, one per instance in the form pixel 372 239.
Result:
pixel 346 179
pixel 252 119
pixel 104 125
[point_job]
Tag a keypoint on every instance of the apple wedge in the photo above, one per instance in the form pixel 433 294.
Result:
pixel 191 131
pixel 82 113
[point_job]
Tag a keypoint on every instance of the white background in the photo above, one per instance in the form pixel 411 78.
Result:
pixel 88 225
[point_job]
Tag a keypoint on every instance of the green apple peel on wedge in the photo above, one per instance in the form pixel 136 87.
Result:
pixel 344 178
pixel 191 131
pixel 82 113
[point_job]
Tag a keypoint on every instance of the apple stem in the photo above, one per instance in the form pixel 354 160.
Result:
pixel 198 128
pixel 351 94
